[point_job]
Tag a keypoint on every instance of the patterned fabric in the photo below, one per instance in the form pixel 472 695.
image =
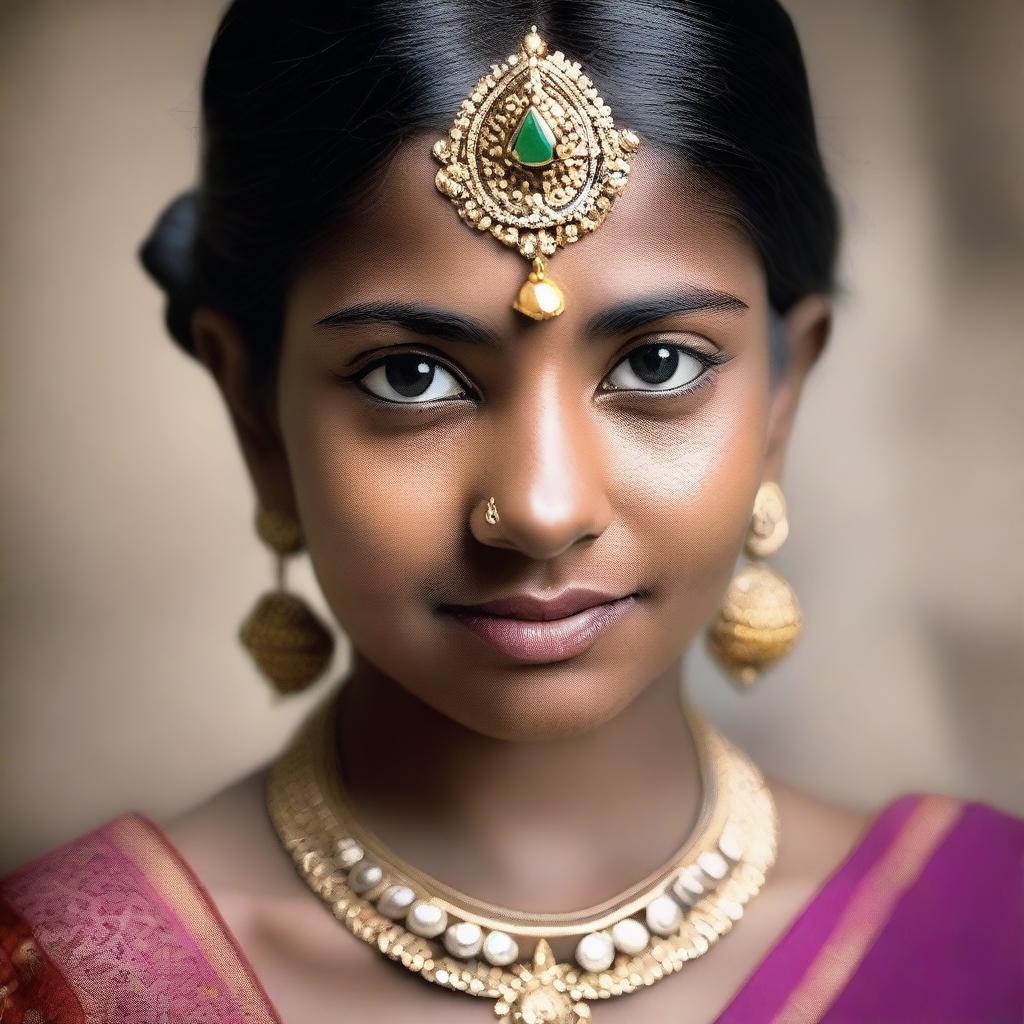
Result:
pixel 32 990
pixel 923 923
pixel 131 930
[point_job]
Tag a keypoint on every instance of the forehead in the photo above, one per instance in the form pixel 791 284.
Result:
pixel 405 240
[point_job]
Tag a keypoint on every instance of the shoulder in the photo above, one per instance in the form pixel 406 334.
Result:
pixel 965 861
pixel 923 827
pixel 230 830
pixel 908 829
pixel 929 856
pixel 48 889
pixel 932 908
pixel 939 895
pixel 119 917
pixel 921 919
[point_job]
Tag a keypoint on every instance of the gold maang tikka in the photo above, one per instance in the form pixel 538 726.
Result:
pixel 533 156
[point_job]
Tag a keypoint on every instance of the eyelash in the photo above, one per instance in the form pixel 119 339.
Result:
pixel 710 362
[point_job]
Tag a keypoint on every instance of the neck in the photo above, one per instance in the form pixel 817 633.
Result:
pixel 551 825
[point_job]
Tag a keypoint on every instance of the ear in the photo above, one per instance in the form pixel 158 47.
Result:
pixel 219 345
pixel 806 329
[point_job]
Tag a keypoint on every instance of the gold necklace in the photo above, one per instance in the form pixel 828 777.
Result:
pixel 627 942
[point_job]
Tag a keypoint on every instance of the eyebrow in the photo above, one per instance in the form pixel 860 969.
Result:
pixel 420 318
pixel 416 317
pixel 633 313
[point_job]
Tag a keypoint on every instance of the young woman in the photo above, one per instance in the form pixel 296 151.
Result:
pixel 511 310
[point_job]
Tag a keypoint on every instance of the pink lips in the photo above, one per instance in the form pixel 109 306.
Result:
pixel 537 630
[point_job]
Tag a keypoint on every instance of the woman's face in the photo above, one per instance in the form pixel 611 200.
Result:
pixel 645 489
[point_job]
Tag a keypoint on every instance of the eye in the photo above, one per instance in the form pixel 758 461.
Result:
pixel 410 378
pixel 657 367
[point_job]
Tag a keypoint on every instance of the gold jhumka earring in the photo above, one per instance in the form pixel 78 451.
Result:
pixel 759 619
pixel 534 157
pixel 289 644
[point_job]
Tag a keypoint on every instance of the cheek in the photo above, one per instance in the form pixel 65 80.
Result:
pixel 374 506
pixel 699 475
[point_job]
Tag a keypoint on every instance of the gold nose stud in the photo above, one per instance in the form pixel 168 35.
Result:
pixel 491 515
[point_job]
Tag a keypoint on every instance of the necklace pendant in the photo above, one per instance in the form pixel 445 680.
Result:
pixel 541 1005
pixel 544 997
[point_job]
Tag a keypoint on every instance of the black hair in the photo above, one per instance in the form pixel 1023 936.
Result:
pixel 303 101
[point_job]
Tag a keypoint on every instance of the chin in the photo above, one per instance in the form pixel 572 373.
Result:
pixel 536 708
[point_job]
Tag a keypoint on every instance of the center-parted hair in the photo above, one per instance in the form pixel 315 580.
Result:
pixel 303 102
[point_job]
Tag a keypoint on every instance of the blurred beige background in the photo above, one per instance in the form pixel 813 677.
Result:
pixel 128 555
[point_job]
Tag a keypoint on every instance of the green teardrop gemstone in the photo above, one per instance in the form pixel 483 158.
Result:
pixel 534 144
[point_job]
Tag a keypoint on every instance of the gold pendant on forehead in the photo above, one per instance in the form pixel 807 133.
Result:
pixel 533 156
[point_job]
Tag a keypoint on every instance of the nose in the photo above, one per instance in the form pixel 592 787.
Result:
pixel 546 473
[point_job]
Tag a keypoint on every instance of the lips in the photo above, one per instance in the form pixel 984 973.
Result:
pixel 534 607
pixel 530 629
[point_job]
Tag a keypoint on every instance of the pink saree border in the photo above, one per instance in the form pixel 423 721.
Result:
pixel 869 909
pixel 133 930
pixel 817 955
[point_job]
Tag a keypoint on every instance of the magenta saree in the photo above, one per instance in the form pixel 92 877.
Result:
pixel 923 922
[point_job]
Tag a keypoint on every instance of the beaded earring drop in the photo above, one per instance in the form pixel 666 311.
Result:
pixel 288 642
pixel 760 619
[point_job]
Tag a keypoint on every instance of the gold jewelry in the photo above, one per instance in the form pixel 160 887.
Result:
pixel 533 156
pixel 491 514
pixel 760 618
pixel 621 945
pixel 289 644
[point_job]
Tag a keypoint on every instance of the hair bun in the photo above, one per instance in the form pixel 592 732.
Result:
pixel 167 256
